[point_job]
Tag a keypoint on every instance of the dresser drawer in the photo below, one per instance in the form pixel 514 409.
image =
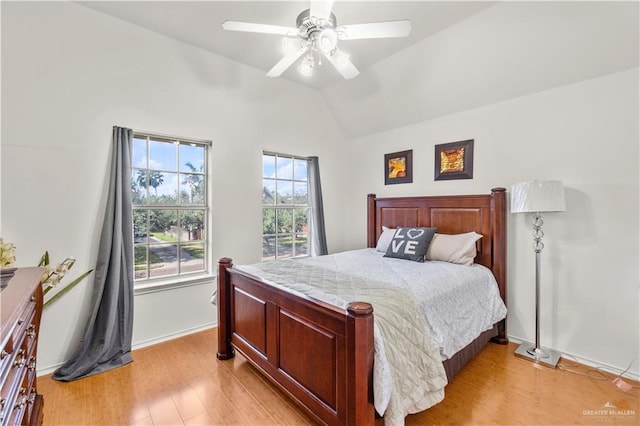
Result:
pixel 24 320
pixel 6 357
pixel 16 411
pixel 13 388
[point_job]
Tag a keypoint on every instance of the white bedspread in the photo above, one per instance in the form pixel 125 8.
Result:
pixel 453 305
pixel 459 302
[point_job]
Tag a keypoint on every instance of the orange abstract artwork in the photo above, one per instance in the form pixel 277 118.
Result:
pixel 397 167
pixel 452 160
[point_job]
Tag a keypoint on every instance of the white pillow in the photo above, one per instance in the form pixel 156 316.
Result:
pixel 385 239
pixel 456 248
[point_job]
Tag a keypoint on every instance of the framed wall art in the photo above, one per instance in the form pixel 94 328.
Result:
pixel 398 167
pixel 454 160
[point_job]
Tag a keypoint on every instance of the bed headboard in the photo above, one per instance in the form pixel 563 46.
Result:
pixel 451 214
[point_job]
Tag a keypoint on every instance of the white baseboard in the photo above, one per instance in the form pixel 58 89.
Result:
pixel 47 370
pixel 586 361
pixel 139 345
pixel 165 338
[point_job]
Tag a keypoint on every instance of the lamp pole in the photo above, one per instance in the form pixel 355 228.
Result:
pixel 538 245
pixel 547 357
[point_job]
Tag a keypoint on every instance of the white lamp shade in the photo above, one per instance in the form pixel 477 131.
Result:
pixel 538 196
pixel 290 45
pixel 328 40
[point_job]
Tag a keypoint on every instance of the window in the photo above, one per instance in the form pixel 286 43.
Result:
pixel 169 195
pixel 285 206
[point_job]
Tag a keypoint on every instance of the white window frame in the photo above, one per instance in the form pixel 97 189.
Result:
pixel 180 279
pixel 293 207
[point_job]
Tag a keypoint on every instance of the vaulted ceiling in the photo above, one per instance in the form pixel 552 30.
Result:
pixel 200 23
pixel 460 55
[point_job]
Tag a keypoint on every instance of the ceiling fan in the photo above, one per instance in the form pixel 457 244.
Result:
pixel 316 34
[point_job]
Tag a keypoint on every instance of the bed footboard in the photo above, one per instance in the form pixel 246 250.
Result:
pixel 320 355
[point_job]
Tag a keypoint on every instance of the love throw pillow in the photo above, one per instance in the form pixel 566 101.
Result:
pixel 410 243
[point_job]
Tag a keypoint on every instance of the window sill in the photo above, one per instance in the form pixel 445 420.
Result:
pixel 172 283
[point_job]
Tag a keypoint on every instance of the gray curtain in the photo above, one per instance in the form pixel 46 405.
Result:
pixel 107 340
pixel 316 221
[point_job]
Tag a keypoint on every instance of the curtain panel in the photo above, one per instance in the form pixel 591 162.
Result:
pixel 107 340
pixel 316 222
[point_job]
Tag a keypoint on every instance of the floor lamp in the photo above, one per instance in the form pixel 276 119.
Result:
pixel 538 197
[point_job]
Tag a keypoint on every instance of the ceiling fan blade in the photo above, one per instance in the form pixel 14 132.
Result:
pixel 321 8
pixel 286 61
pixel 374 30
pixel 259 28
pixel 343 64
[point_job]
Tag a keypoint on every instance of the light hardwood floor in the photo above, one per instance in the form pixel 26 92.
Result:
pixel 181 383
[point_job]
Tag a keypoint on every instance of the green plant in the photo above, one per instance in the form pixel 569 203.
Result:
pixel 53 275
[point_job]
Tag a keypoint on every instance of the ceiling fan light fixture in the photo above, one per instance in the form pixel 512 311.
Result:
pixel 328 40
pixel 306 66
pixel 290 45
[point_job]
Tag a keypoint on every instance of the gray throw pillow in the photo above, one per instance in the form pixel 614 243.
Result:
pixel 410 243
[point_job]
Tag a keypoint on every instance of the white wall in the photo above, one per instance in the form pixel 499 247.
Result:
pixel 585 134
pixel 69 74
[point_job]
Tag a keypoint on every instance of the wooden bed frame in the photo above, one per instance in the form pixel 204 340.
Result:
pixel 321 355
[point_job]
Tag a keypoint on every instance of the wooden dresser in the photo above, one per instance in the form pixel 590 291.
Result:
pixel 20 313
